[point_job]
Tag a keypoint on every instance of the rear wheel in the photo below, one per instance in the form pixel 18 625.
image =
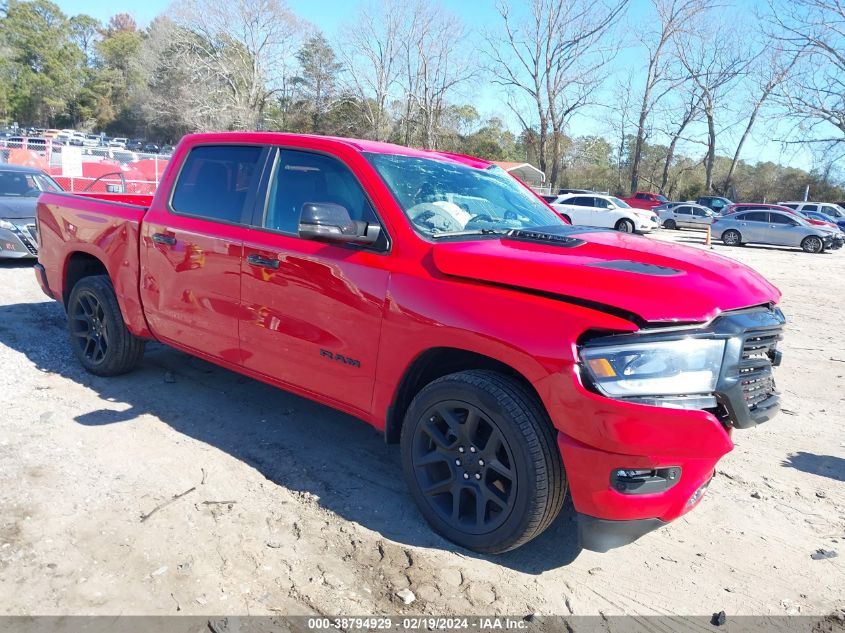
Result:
pixel 98 335
pixel 732 238
pixel 480 457
pixel 671 225
pixel 626 226
pixel 812 244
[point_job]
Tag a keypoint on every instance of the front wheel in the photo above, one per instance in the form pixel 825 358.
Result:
pixel 626 226
pixel 98 335
pixel 480 457
pixel 671 225
pixel 731 238
pixel 812 244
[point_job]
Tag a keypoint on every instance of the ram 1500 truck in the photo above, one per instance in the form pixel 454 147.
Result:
pixel 512 356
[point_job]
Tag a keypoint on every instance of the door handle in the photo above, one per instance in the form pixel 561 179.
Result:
pixel 264 262
pixel 163 238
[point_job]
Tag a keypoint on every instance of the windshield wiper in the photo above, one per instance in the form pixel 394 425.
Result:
pixel 437 236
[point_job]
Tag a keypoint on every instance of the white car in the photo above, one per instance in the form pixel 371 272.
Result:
pixel 605 211
pixel 829 209
pixel 118 142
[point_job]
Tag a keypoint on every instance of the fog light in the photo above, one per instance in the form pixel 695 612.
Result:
pixel 639 481
pixel 696 496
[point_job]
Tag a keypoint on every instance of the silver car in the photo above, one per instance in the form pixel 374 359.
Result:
pixel 775 228
pixel 687 215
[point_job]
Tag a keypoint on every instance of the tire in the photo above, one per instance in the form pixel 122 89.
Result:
pixel 625 226
pixel 671 225
pixel 812 244
pixel 732 238
pixel 98 335
pixel 480 457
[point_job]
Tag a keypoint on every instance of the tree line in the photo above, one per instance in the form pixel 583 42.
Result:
pixel 677 90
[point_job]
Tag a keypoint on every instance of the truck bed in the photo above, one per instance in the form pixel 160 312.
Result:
pixel 73 229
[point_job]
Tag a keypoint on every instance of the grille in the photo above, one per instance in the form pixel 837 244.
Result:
pixel 755 368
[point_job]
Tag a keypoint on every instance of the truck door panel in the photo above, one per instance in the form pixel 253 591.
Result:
pixel 191 253
pixel 313 310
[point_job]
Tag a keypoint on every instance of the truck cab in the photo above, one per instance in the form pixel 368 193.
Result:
pixel 514 358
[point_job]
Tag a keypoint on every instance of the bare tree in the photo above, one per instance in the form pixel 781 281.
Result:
pixel 813 95
pixel 240 52
pixel 769 72
pixel 370 49
pixel 555 59
pixel 673 19
pixel 713 69
pixel 680 120
pixel 620 120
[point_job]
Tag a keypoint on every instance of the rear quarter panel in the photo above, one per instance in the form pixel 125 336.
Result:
pixel 106 230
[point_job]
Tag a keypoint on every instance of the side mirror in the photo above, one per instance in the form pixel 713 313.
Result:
pixel 330 222
pixel 611 206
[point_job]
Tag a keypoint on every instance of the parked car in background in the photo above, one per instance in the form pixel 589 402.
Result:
pixel 166 150
pixel 118 142
pixel 605 211
pixel 396 284
pixel 776 228
pixel 135 145
pixel 645 200
pixel 737 207
pixel 717 203
pixel 151 148
pixel 563 192
pixel 19 191
pixel 815 215
pixel 668 205
pixel 835 211
pixel 685 216
pixel 549 198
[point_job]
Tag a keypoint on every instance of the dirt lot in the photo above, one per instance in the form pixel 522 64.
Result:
pixel 295 508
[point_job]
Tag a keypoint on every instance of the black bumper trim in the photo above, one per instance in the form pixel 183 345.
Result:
pixel 42 274
pixel 601 535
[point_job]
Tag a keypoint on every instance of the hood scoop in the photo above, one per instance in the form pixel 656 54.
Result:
pixel 629 266
pixel 558 237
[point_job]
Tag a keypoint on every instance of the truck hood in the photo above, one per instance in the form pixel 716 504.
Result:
pixel 655 281
pixel 16 208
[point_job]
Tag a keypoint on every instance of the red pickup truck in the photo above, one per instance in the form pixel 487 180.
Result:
pixel 645 200
pixel 513 356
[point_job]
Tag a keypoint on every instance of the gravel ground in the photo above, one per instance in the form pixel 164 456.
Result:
pixel 294 508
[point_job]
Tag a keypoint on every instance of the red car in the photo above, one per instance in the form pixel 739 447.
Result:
pixel 736 207
pixel 513 357
pixel 645 200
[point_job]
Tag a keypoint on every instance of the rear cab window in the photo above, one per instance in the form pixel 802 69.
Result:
pixel 219 182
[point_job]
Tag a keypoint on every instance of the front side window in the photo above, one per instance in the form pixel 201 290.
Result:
pixel 780 218
pixel 305 177
pixel 215 181
pixel 832 211
pixel 441 197
pixel 600 203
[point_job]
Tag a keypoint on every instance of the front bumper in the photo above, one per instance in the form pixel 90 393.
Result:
pixel 599 436
pixel 19 241
pixel 648 225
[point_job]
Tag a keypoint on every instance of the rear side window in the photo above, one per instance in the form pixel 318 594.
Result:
pixel 305 177
pixel 791 206
pixel 581 201
pixel 682 210
pixel 216 180
pixel 810 207
pixel 755 216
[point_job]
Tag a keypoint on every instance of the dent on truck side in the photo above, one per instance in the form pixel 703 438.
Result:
pixel 108 232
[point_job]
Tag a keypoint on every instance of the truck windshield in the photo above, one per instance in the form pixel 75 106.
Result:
pixel 442 198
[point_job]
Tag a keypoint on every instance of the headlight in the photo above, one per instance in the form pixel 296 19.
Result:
pixel 5 224
pixel 661 368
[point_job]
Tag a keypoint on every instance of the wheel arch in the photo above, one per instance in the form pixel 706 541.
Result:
pixel 432 364
pixel 79 265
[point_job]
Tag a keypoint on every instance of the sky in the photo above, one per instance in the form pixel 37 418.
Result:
pixel 330 16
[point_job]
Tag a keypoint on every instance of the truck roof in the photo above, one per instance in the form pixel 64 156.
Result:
pixel 362 145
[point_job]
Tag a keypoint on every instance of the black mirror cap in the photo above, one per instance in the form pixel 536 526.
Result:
pixel 331 222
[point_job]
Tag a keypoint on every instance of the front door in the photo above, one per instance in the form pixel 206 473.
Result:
pixel 312 309
pixel 191 252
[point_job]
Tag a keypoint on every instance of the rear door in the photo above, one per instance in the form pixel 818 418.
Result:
pixel 312 309
pixel 683 215
pixel 191 250
pixel 754 226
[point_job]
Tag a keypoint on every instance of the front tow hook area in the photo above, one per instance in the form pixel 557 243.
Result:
pixel 601 535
